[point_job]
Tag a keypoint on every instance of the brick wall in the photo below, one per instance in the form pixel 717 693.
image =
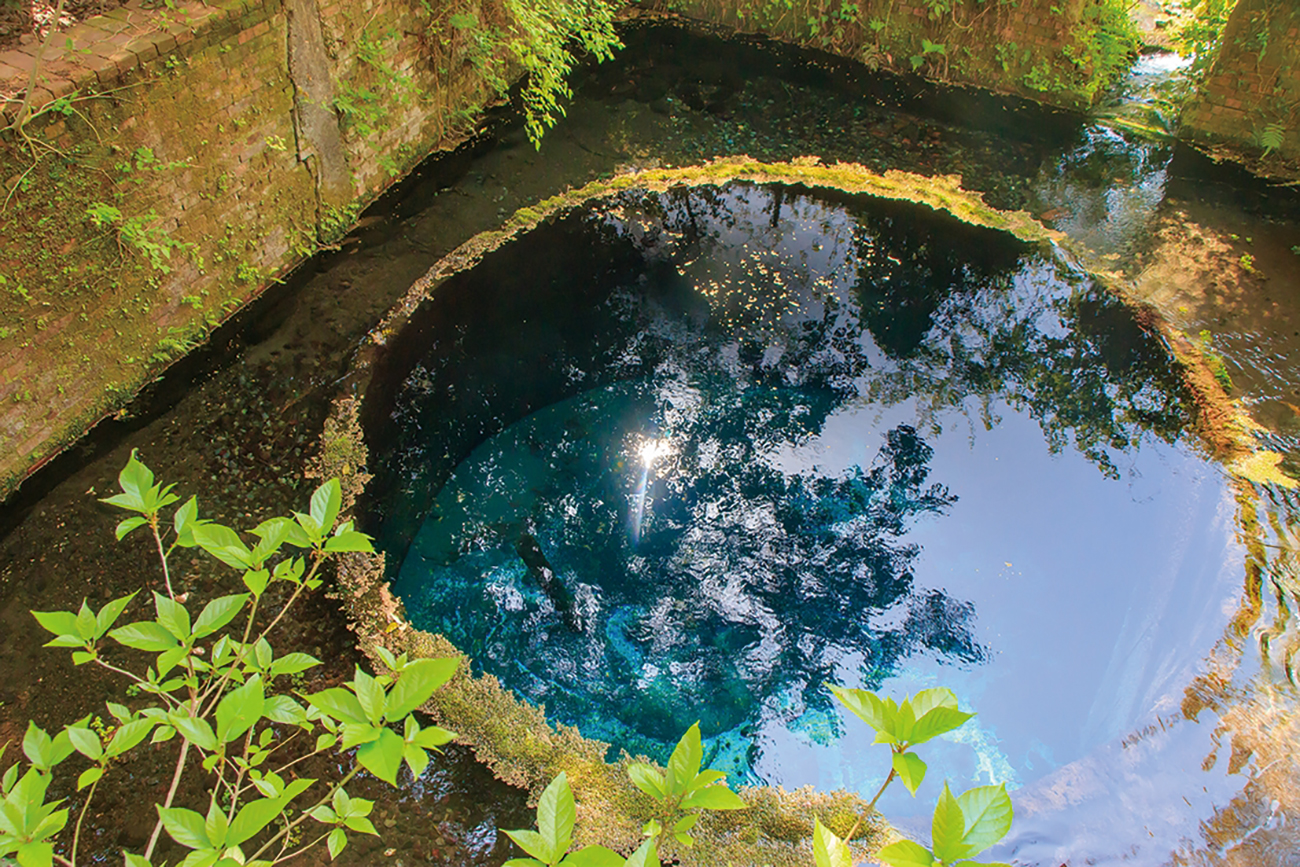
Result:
pixel 208 140
pixel 1253 83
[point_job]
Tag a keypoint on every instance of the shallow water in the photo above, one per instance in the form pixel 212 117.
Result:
pixel 722 446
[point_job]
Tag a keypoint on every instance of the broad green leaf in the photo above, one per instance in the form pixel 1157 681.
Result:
pixel 240 709
pixel 218 613
pixel 360 824
pixel 256 580
pixel 645 856
pixel 948 828
pixel 868 707
pixel 355 734
pixel 195 730
pixel 145 635
pixel 57 622
pixel 416 759
pixel 536 845
pixel 172 615
pixel 928 699
pixel 38 746
pixel 292 663
pixel 705 778
pixel 335 842
pixel 89 776
pixel 224 543
pixel 86 742
pixel 35 854
pixel 593 856
pixel 183 522
pixel 717 797
pixel 383 757
pixel 988 813
pixel 350 540
pixel 687 822
pixel 127 736
pixel 108 615
pixel 910 769
pixel 126 525
pixel 85 622
pixel 905 853
pixel 416 684
pixel 185 827
pixel 371 696
pixel 829 850
pixel 431 737
pixel 648 780
pixel 338 703
pixel 283 709
pixel 556 813
pixel 685 761
pixel 135 860
pixel 936 722
pixel 216 825
pixel 325 502
pixel 253 817
pixel 523 862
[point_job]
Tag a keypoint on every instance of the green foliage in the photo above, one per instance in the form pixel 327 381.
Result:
pixel 829 850
pixel 221 695
pixel 139 232
pixel 682 790
pixel 549 845
pixel 1273 136
pixel 539 39
pixel 962 828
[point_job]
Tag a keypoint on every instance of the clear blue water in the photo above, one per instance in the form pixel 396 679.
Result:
pixel 688 456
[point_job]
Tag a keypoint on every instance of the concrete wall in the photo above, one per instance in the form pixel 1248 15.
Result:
pixel 1253 83
pixel 210 141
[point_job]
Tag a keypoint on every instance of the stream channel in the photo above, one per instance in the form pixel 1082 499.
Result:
pixel 778 437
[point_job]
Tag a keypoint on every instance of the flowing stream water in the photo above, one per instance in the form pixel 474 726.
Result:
pixel 797 385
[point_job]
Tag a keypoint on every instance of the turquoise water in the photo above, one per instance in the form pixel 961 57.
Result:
pixel 687 456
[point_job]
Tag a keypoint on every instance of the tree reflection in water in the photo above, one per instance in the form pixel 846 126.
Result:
pixel 589 452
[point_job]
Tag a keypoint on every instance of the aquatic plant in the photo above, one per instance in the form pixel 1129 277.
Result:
pixel 228 697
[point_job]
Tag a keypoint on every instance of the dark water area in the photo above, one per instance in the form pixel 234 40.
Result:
pixel 688 456
pixel 974 356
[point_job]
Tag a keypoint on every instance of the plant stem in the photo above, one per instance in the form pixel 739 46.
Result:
pixel 298 852
pixel 305 813
pixel 889 779
pixel 162 555
pixel 76 833
pixel 25 111
pixel 171 794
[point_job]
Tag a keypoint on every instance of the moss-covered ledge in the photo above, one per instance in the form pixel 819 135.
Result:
pixel 514 738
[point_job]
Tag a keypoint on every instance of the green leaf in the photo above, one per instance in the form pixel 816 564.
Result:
pixel 947 828
pixel 371 696
pixel 325 502
pixel 350 540
pixel 292 663
pixel 89 776
pixel 338 703
pixel 685 761
pixel 534 844
pixel 218 613
pixel 57 622
pixel 431 737
pixel 38 747
pixel 416 684
pixel 185 827
pixel 867 706
pixel 195 730
pixel 556 813
pixel 253 817
pixel 336 840
pixel 905 853
pixel 128 736
pixel 911 770
pixel 85 622
pixel 523 862
pixel 416 759
pixel 35 854
pixel 184 521
pixel 126 525
pixel 936 722
pixel 361 825
pixel 256 580
pixel 108 615
pixel 86 742
pixel 145 635
pixel 239 709
pixel 224 543
pixel 283 709
pixel 383 756
pixel 645 856
pixel 594 856
pixel 988 814
pixel 648 780
pixel 172 615
pixel 135 860
pixel 216 825
pixel 717 797
pixel 829 850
